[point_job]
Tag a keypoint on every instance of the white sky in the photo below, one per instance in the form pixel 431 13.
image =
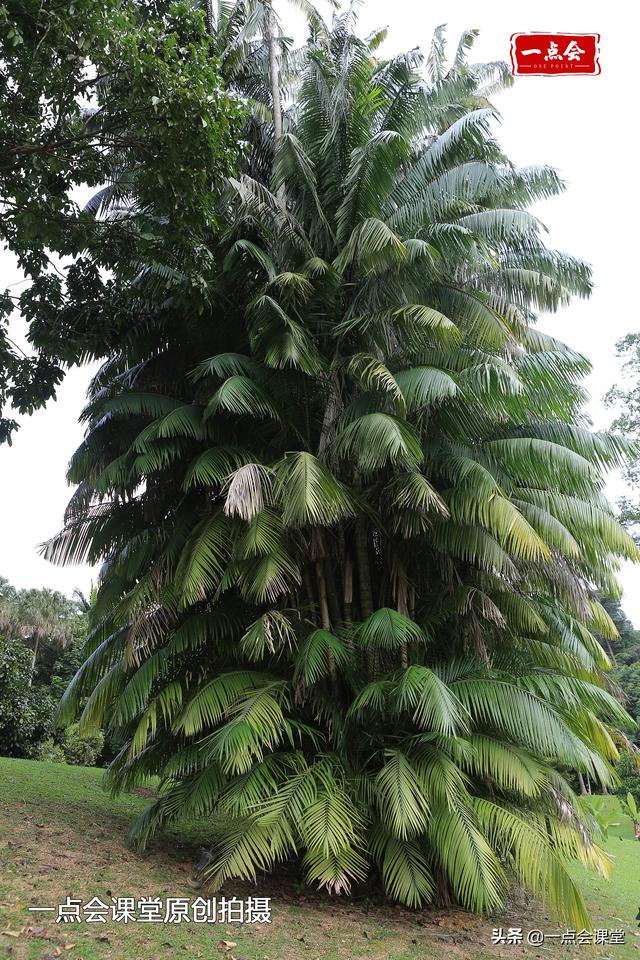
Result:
pixel 580 125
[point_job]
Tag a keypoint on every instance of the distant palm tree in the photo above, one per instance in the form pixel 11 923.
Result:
pixel 351 518
pixel 35 617
pixel 255 58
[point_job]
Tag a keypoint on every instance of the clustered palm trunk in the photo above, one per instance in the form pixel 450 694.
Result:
pixel 351 514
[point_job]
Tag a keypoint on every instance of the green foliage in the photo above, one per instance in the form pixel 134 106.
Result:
pixel 51 752
pixel 625 652
pixel 630 807
pixel 43 619
pixel 122 96
pixel 600 808
pixel 81 750
pixel 26 713
pixel 40 655
pixel 628 770
pixel 351 516
pixel 57 671
pixel 624 397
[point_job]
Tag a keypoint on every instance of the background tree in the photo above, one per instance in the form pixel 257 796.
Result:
pixel 625 398
pixel 122 96
pixel 25 718
pixel 351 515
pixel 38 618
pixel 625 654
pixel 43 633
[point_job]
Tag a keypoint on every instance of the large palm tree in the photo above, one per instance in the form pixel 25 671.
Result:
pixel 351 515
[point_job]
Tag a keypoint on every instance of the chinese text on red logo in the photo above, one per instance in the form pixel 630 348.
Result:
pixel 555 54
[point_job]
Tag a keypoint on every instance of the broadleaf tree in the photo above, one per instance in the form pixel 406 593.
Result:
pixel 121 97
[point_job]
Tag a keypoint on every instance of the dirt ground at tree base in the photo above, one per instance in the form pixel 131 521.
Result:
pixel 61 836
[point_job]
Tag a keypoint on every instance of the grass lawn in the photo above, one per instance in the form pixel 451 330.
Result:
pixel 60 836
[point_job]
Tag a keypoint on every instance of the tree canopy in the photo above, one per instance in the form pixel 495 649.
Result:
pixel 125 97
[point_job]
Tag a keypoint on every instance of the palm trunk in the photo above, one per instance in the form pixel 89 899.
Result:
pixel 412 602
pixel 211 24
pixel 307 582
pixel 322 592
pixel 270 30
pixel 364 578
pixel 274 80
pixel 332 591
pixel 364 584
pixel 326 619
pixel 403 608
pixel 348 587
pixel 583 789
pixel 404 655
pixel 330 414
pixel 612 656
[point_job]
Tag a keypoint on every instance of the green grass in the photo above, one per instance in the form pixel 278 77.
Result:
pixel 61 835
pixel 614 903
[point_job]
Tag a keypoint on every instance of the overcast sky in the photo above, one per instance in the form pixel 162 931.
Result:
pixel 580 125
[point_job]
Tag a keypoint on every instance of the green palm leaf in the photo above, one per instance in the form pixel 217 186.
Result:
pixel 406 874
pixel 403 807
pixel 377 439
pixel 309 493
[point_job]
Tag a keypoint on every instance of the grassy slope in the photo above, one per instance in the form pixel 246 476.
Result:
pixel 61 835
pixel 614 903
